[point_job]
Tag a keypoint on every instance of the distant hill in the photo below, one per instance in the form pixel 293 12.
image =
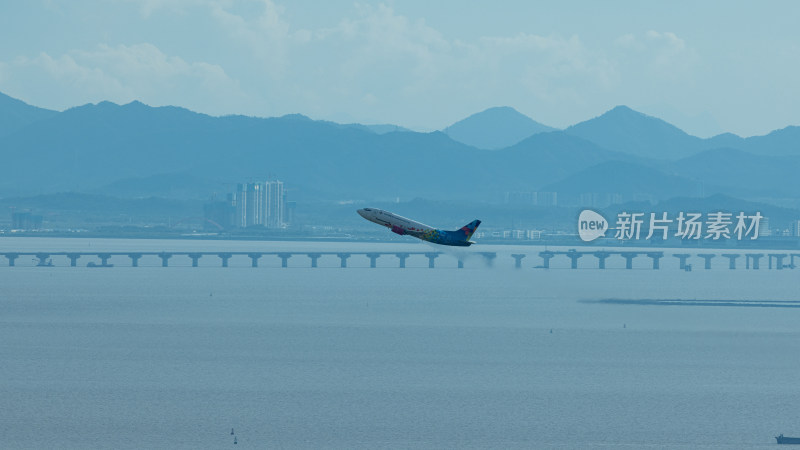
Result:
pixel 545 158
pixel 638 134
pixel 135 151
pixel 138 151
pixel 495 128
pixel 630 180
pixel 378 129
pixel 741 173
pixel 386 128
pixel 783 142
pixel 626 130
pixel 91 146
pixel 16 114
pixel 725 140
pixel 172 186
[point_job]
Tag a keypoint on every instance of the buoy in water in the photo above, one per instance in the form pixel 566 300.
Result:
pixel 231 431
pixel 234 440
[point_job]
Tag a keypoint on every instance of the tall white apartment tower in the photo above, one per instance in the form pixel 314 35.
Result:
pixel 274 204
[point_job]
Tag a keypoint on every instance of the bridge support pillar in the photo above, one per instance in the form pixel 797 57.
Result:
pixel 11 257
pixel 314 257
pixel 224 257
pixel 490 257
pixel 755 257
pixel 343 257
pixel 104 257
pixel 373 259
pixel 285 259
pixel 731 259
pixel 574 257
pixel 254 257
pixel 546 257
pixel 707 257
pixel 778 260
pixel 165 259
pixel 402 257
pixel 629 258
pixel 431 258
pixel 134 259
pixel 656 257
pixel 73 259
pixel 195 258
pixel 601 259
pixel 518 257
pixel 42 257
pixel 682 257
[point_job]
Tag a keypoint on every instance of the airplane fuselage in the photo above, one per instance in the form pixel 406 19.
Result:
pixel 405 226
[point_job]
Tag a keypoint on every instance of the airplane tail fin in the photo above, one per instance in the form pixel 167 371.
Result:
pixel 470 228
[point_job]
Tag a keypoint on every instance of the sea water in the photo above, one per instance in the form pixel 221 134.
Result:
pixel 487 356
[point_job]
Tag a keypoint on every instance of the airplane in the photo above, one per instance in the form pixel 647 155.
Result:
pixel 403 226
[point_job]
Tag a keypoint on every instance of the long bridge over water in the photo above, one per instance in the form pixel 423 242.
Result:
pixel 45 258
pixel 751 260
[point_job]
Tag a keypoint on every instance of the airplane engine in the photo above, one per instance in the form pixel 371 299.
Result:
pixel 398 230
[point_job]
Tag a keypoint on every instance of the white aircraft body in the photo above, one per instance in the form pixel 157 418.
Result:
pixel 402 226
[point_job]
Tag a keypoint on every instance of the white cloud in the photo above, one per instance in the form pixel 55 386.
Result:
pixel 125 73
pixel 148 7
pixel 663 54
pixel 266 35
pixel 372 63
pixel 380 42
pixel 380 59
pixel 552 65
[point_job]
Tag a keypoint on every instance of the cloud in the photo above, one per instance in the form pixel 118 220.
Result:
pixel 125 73
pixel 379 59
pixel 663 54
pixel 266 35
pixel 551 66
pixel 372 63
pixel 147 8
pixel 380 42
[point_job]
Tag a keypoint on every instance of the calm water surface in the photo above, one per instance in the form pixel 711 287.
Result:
pixel 153 357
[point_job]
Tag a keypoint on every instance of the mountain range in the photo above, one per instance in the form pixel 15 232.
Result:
pixel 135 151
pixel 495 128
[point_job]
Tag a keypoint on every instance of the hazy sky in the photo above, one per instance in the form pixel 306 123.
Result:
pixel 706 66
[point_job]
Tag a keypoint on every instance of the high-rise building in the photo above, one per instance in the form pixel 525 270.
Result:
pixel 763 228
pixel 25 221
pixel 261 204
pixel 240 204
pixel 274 205
pixel 255 204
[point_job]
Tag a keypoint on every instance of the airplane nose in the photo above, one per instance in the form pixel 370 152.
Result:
pixel 362 213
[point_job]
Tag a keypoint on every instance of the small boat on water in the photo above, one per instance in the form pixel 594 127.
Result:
pixel 787 440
